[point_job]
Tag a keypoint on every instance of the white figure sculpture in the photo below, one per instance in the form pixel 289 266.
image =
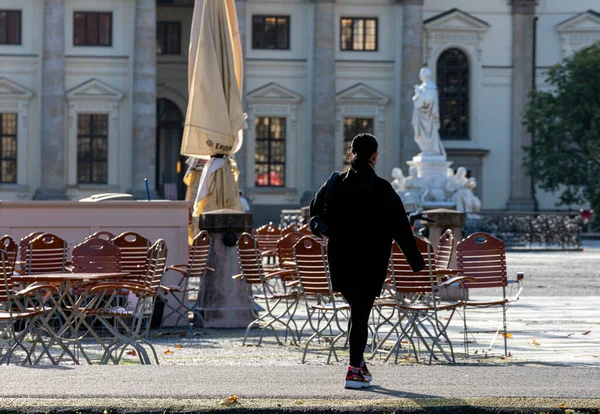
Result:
pixel 416 191
pixel 466 200
pixel 455 182
pixel 426 116
pixel 398 180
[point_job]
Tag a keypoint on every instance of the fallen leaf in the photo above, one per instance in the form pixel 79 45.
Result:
pixel 502 357
pixel 510 354
pixel 541 287
pixel 563 405
pixel 585 333
pixel 534 342
pixel 229 400
pixel 132 352
pixel 297 402
pixel 405 342
pixel 476 352
pixel 569 335
pixel 178 346
pixel 168 352
pixel 508 335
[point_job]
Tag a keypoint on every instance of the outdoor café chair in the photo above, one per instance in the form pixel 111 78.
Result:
pixel 254 275
pixel 17 320
pixel 267 237
pixel 328 317
pixel 186 292
pixel 96 255
pixel 419 304
pixel 482 258
pixel 133 320
pixel 24 248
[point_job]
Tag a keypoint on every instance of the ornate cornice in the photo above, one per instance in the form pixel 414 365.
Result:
pixel 523 6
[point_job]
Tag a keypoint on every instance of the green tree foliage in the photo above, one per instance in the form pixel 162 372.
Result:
pixel 565 157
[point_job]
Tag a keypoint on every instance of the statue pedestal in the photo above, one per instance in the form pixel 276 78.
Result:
pixel 224 301
pixel 434 171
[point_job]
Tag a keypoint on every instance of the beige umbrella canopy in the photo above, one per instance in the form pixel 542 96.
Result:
pixel 214 119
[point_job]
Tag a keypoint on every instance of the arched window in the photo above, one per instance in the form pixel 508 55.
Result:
pixel 453 87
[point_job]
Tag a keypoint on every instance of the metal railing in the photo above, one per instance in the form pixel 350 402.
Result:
pixel 529 230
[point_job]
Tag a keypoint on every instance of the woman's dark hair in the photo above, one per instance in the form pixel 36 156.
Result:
pixel 363 148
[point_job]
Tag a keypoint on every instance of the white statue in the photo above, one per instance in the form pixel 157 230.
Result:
pixel 416 191
pixel 455 182
pixel 466 200
pixel 398 180
pixel 426 116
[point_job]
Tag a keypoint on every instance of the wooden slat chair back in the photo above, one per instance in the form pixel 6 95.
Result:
pixel 96 255
pixel 134 255
pixel 267 237
pixel 47 253
pixel 407 281
pixel 285 254
pixel 102 234
pixel 157 263
pixel 11 248
pixel 445 249
pixel 250 260
pixel 292 228
pixel 6 285
pixel 198 254
pixel 482 257
pixel 24 246
pixel 311 265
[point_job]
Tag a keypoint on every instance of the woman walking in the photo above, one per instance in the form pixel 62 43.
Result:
pixel 364 215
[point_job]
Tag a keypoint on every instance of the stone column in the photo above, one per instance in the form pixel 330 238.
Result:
pixel 240 157
pixel 323 137
pixel 144 99
pixel 223 301
pixel 54 132
pixel 412 61
pixel 522 82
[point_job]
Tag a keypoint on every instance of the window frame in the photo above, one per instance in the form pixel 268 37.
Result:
pixel 20 31
pixel 264 17
pixel 166 24
pixel 91 136
pixel 15 138
pixel 86 14
pixel 465 100
pixel 376 19
pixel 269 140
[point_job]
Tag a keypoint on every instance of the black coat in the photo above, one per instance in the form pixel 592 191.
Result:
pixel 365 214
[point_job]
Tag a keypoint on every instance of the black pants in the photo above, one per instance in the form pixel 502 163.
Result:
pixel 360 309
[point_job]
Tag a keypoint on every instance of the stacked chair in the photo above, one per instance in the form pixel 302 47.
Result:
pixel 186 292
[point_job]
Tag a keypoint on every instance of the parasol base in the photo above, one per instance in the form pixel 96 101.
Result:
pixel 223 301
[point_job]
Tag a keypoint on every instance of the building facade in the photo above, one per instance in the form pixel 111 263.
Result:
pixel 93 95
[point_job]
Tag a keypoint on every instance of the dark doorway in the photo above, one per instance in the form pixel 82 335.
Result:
pixel 170 167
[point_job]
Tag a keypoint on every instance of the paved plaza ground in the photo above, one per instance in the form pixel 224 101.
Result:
pixel 554 364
